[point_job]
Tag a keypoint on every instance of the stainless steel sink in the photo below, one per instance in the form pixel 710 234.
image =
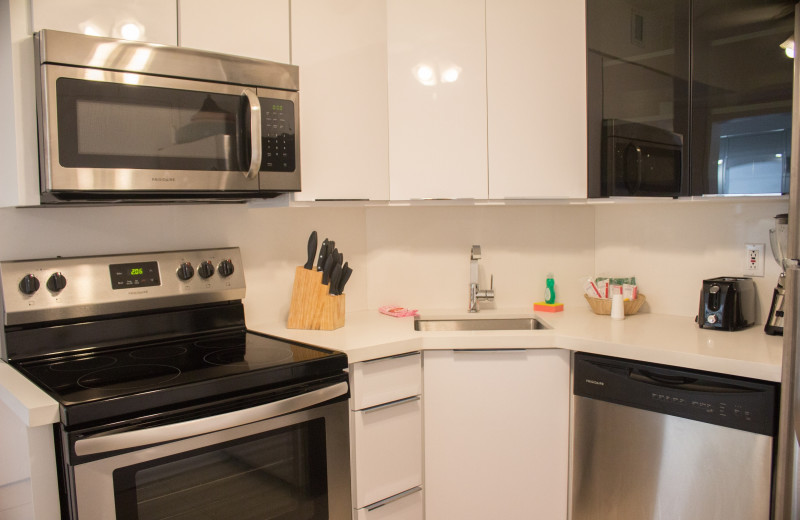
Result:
pixel 462 324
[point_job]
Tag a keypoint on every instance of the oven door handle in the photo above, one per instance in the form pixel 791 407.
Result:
pixel 254 109
pixel 108 442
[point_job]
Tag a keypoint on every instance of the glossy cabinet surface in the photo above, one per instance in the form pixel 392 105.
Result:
pixel 388 452
pixel 142 20
pixel 386 443
pixel 741 96
pixel 536 82
pixel 385 380
pixel 340 48
pixel 408 506
pixel 252 28
pixel 437 99
pixel 496 434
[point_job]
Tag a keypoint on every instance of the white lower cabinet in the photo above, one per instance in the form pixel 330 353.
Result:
pixel 386 438
pixel 496 434
pixel 409 505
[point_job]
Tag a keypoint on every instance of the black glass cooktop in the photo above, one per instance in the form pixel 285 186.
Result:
pixel 149 377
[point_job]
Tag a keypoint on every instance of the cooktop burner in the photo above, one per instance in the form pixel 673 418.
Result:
pixel 161 373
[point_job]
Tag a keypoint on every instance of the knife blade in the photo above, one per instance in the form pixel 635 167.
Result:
pixel 323 255
pixel 336 275
pixel 346 272
pixel 312 250
pixel 326 271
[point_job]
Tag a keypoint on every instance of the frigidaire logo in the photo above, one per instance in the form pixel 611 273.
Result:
pixel 593 382
pixel 163 179
pixel 138 292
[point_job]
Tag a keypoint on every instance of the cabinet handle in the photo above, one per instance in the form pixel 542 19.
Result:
pixel 389 405
pixel 405 354
pixel 381 503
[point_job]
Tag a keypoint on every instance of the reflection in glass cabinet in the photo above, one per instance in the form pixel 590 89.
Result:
pixel 715 75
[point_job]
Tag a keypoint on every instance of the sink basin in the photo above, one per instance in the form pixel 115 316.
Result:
pixel 461 324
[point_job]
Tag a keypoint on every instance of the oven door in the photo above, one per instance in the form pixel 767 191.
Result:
pixel 106 134
pixel 287 459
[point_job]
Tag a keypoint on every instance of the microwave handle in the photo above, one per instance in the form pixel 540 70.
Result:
pixel 254 109
pixel 633 185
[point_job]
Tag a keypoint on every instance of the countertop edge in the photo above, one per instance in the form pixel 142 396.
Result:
pixel 28 402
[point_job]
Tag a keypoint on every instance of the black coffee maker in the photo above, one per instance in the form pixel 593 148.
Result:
pixel 778 241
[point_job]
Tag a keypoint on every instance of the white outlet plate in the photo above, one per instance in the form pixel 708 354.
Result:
pixel 754 260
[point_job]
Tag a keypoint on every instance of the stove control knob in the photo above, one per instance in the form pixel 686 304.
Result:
pixel 225 268
pixel 185 271
pixel 206 269
pixel 56 282
pixel 29 284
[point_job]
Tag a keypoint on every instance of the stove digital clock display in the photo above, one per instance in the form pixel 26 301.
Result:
pixel 128 276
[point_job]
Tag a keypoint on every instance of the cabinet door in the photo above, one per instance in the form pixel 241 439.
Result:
pixel 387 449
pixel 536 81
pixel 496 434
pixel 741 127
pixel 340 47
pixel 437 99
pixel 252 28
pixel 142 20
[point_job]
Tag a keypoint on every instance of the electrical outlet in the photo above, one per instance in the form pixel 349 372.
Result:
pixel 754 260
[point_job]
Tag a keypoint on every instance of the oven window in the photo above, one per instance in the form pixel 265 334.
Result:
pixel 280 474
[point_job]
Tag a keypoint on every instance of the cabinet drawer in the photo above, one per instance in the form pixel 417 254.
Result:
pixel 385 380
pixel 388 450
pixel 408 505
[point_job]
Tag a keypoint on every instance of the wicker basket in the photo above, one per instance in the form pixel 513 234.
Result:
pixel 603 305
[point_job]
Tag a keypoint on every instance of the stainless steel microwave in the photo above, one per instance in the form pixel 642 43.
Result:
pixel 131 121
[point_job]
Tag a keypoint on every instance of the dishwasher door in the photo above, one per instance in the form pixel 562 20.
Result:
pixel 653 443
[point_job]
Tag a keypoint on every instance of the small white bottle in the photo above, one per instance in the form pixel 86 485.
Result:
pixel 617 307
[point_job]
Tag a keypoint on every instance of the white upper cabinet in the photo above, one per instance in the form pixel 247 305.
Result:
pixel 152 21
pixel 536 79
pixel 437 99
pixel 252 28
pixel 340 47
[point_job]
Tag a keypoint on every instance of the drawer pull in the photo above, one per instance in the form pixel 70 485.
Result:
pixel 405 354
pixel 389 405
pixel 381 503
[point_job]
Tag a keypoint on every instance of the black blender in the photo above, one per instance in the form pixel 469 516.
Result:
pixel 778 241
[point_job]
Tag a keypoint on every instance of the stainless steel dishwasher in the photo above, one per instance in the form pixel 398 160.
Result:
pixel 653 442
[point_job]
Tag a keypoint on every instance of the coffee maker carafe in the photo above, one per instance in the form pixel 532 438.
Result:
pixel 778 241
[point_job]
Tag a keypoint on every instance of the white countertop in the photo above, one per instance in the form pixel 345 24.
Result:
pixel 670 340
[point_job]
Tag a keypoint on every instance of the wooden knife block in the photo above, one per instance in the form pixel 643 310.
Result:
pixel 312 307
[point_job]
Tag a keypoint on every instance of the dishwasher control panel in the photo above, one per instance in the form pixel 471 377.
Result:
pixel 734 402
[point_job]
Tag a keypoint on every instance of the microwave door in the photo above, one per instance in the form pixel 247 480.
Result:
pixel 113 133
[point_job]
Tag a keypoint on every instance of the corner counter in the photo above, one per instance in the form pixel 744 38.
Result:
pixel 654 338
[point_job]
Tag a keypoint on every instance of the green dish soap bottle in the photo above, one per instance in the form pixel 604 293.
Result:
pixel 550 290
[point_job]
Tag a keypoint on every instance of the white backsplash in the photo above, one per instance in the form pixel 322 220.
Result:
pixel 418 256
pixel 671 247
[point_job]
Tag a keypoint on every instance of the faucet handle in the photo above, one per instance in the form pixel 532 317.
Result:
pixel 475 254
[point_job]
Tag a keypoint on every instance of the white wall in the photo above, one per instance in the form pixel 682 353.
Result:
pixel 671 247
pixel 273 240
pixel 418 257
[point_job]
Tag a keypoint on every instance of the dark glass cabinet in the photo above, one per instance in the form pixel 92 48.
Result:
pixel 688 97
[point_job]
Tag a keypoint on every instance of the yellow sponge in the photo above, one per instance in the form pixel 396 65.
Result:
pixel 548 307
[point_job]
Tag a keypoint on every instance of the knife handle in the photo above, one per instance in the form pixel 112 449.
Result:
pixel 346 272
pixel 336 275
pixel 312 250
pixel 328 269
pixel 323 255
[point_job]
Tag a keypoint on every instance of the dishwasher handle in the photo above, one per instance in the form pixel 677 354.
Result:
pixel 682 382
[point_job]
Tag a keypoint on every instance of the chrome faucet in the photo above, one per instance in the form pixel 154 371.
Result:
pixel 475 294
